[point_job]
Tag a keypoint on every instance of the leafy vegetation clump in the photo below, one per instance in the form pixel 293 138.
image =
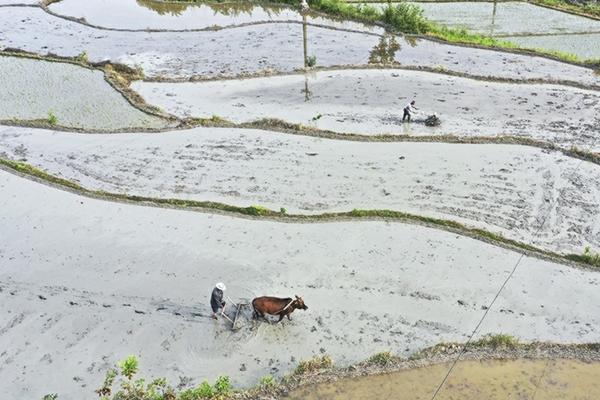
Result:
pixel 52 118
pixel 268 382
pixel 588 257
pixel 314 364
pixel 382 359
pixel 130 388
pixel 496 341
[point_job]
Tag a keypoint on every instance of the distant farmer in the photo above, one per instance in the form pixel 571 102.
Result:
pixel 216 299
pixel 409 110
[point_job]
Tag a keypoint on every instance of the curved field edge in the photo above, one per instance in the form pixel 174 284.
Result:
pixel 122 382
pixel 588 259
pixel 118 76
pixel 419 27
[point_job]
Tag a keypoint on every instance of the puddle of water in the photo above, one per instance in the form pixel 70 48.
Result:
pixel 491 380
pixel 33 89
pixel 148 14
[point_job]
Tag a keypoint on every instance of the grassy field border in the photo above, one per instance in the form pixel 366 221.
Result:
pixel 257 211
pixel 321 369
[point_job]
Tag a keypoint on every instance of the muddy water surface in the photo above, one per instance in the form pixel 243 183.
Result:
pixel 148 14
pixel 491 380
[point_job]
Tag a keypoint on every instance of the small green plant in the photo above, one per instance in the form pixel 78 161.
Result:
pixel 267 382
pixel 317 117
pixel 311 61
pixel 52 119
pixel 52 396
pixel 314 364
pixel 588 257
pixel 382 359
pixel 282 211
pixel 129 367
pixel 496 341
pixel 222 385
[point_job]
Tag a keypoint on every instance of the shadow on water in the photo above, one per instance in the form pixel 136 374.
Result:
pixel 555 379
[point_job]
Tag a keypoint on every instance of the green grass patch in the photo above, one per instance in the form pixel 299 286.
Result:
pixel 587 257
pixel 496 341
pixel 382 359
pixel 314 364
pixel 52 118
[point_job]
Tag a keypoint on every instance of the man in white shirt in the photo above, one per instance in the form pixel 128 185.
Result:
pixel 409 110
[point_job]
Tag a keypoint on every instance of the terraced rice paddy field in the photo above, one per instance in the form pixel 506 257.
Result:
pixel 149 150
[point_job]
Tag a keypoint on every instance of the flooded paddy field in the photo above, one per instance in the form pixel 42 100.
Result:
pixel 506 18
pixel 249 50
pixel 86 280
pixel 42 90
pixel 370 102
pixel 525 24
pixel 85 299
pixel 492 380
pixel 584 45
pixel 502 188
pixel 158 15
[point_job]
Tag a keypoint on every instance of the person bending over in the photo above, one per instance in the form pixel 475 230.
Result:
pixel 216 299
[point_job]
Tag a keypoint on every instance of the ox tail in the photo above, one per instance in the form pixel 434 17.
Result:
pixel 255 313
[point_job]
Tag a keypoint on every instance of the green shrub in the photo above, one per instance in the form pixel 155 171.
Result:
pixel 406 18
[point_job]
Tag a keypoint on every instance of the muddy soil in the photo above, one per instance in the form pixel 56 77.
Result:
pixel 502 188
pixel 488 379
pixel 370 102
pixel 86 282
pixel 249 50
pixel 77 97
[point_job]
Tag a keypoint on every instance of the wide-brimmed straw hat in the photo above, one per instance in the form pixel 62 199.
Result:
pixel 220 286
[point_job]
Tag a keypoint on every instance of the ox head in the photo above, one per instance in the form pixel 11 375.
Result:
pixel 299 303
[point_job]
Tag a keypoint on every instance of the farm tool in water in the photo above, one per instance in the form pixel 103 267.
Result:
pixel 238 311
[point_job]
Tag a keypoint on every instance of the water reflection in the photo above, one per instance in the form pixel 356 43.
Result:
pixel 229 9
pixel 384 52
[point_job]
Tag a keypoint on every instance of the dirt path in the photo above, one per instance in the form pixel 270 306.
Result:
pixel 501 188
pixel 85 283
pixel 371 102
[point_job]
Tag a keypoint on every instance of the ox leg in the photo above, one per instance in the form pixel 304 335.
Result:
pixel 281 317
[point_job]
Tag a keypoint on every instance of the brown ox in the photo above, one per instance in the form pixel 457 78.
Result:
pixel 277 306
